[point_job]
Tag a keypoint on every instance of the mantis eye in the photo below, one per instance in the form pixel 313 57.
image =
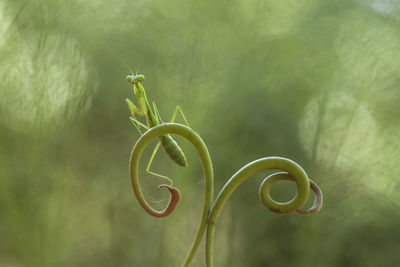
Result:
pixel 140 77
pixel 129 78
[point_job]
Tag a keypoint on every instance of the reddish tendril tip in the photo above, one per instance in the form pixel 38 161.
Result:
pixel 173 201
pixel 317 202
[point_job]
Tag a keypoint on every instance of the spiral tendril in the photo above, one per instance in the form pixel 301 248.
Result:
pixel 284 208
pixel 290 171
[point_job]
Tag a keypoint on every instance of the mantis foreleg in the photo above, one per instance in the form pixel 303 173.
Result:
pixel 135 110
pixel 137 123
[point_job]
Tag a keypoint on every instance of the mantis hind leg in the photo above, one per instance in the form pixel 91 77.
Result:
pixel 178 108
pixel 151 160
pixel 156 113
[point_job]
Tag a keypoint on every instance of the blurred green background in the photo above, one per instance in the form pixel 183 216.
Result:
pixel 315 81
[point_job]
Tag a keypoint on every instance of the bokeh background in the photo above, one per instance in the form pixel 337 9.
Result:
pixel 315 81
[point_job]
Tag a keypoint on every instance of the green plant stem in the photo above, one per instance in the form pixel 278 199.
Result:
pixel 294 171
pixel 195 139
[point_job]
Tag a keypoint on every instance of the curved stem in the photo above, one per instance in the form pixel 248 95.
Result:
pixel 294 172
pixel 195 139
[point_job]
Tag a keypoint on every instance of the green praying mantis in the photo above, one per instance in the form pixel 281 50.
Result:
pixel 153 119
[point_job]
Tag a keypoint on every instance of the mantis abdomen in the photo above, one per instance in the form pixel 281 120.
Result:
pixel 173 150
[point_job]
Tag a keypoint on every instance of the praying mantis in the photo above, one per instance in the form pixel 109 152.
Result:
pixel 153 119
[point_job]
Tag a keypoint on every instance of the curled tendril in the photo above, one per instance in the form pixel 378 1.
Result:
pixel 292 171
pixel 284 208
pixel 195 139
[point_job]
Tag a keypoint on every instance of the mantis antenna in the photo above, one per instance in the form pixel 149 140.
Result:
pixel 137 70
pixel 126 66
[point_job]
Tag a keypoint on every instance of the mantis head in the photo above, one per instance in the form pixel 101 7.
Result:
pixel 135 78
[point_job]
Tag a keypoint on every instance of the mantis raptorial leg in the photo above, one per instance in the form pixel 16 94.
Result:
pixel 137 123
pixel 135 110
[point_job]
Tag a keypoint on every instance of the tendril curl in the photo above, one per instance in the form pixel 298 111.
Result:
pixel 290 171
pixel 195 139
